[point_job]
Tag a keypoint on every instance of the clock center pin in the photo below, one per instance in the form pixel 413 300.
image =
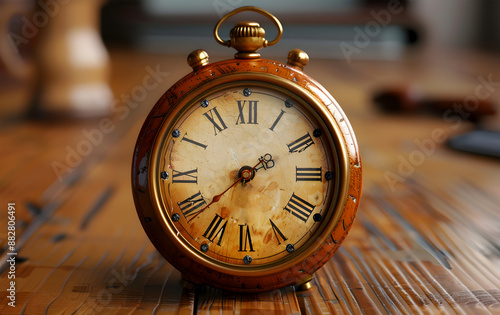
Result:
pixel 247 173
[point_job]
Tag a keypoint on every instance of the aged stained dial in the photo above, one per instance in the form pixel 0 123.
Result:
pixel 246 174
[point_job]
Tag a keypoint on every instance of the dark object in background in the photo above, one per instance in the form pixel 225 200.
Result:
pixel 478 141
pixel 411 100
pixel 408 100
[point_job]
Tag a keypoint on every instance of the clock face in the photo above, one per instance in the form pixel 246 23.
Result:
pixel 247 175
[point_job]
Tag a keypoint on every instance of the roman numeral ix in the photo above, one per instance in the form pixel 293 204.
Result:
pixel 185 177
pixel 307 174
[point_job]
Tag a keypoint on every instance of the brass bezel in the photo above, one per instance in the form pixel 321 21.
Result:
pixel 336 140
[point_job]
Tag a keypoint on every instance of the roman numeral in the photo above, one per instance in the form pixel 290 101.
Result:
pixel 185 177
pixel 189 206
pixel 201 145
pixel 306 174
pixel 210 117
pixel 277 232
pixel 252 112
pixel 300 144
pixel 277 120
pixel 245 238
pixel 299 207
pixel 211 233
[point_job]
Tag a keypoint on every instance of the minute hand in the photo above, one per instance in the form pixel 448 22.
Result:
pixel 244 175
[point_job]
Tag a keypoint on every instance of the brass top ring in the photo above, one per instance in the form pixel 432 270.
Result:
pixel 276 22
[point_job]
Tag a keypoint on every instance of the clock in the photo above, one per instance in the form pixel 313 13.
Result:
pixel 246 174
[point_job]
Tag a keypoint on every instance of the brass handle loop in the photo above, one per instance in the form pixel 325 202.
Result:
pixel 253 9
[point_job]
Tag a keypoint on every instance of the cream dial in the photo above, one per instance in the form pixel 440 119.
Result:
pixel 247 175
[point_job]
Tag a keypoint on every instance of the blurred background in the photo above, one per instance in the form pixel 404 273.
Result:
pixel 48 42
pixel 418 79
pixel 79 61
pixel 75 62
pixel 320 24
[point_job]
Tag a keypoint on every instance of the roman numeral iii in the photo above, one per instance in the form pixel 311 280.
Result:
pixel 307 174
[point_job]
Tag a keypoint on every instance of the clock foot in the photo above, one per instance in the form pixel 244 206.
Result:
pixel 189 285
pixel 306 285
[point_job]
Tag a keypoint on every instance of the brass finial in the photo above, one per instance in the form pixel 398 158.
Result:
pixel 248 37
pixel 197 58
pixel 298 58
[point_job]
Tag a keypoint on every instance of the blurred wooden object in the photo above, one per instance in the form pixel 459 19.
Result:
pixel 426 240
pixel 73 63
pixel 10 56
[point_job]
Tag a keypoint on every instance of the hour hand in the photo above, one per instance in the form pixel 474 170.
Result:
pixel 266 162
pixel 245 174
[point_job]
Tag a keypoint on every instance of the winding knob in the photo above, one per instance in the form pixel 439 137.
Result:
pixel 247 38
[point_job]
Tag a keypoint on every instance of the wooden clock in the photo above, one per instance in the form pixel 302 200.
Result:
pixel 246 173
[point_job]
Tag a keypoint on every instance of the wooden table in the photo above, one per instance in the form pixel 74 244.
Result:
pixel 426 239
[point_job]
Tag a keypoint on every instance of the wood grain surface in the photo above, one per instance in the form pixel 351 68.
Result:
pixel 426 239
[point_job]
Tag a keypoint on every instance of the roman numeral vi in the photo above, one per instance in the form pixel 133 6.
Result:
pixel 245 238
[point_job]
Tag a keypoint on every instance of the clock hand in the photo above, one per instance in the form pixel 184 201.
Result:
pixel 246 174
pixel 267 162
